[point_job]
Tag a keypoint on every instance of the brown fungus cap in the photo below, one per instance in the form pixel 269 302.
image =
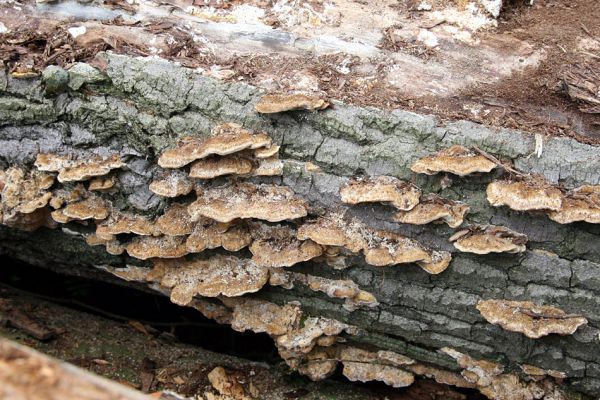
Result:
pixel 226 139
pixel 102 184
pixel 209 234
pixel 581 204
pixel 526 194
pixel 433 208
pixel 457 160
pixel 276 103
pixel 389 248
pixel 175 221
pixel 537 373
pixel 271 166
pixel 333 230
pixel 278 247
pixel 70 170
pixel 172 184
pixel 144 247
pixel 24 192
pixel 364 366
pixel 29 222
pixel 319 364
pixel 262 316
pixel 61 197
pixel 93 207
pixel 267 152
pixel 246 200
pixel 119 222
pixel 217 276
pixel 342 289
pixel 489 239
pixel 212 167
pixel 437 263
pixel 401 194
pixel 534 321
pixel 480 372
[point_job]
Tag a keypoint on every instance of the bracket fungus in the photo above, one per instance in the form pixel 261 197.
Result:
pixel 364 366
pixel 534 321
pixel 437 262
pixel 24 192
pixel 389 248
pixel 267 152
pixel 278 247
pixel 93 207
pixel 457 160
pixel 489 239
pixel 263 316
pixel 537 373
pixel 70 170
pixel 226 139
pixel 219 275
pixel 209 234
pixel 145 247
pixel 276 103
pixel 432 208
pixel 175 221
pixel 479 372
pixel 212 167
pixel 271 166
pixel 246 200
pixel 401 194
pixel 118 223
pixel 102 184
pixel 526 194
pixel 334 230
pixel 172 184
pixel 343 289
pixel 581 204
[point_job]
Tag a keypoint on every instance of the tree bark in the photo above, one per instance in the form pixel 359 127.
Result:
pixel 139 107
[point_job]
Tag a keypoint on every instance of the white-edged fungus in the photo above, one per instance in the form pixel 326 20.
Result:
pixel 364 366
pixel 432 208
pixel 528 318
pixel 24 192
pixel 581 204
pixel 219 275
pixel 389 248
pixel 276 103
pixel 212 167
pixel 226 139
pixel 457 160
pixel 102 184
pixel 277 246
pixel 70 170
pixel 489 239
pixel 145 247
pixel 262 316
pixel 333 230
pixel 210 234
pixel 437 263
pixel 93 207
pixel 175 221
pixel 532 193
pixel 120 222
pixel 173 183
pixel 381 189
pixel 271 166
pixel 246 200
pixel 267 152
pixel 538 374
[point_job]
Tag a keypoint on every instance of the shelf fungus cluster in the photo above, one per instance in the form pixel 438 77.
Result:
pixel 380 248
pixel 528 318
pixel 536 194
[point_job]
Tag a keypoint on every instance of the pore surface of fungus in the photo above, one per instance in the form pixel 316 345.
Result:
pixel 246 200
pixel 432 208
pixel 172 184
pixel 489 239
pixel 275 103
pixel 220 275
pixel 226 139
pixel 534 321
pixel 523 195
pixel 581 204
pixel 401 194
pixel 457 160
pixel 212 167
pixel 144 247
pixel 279 247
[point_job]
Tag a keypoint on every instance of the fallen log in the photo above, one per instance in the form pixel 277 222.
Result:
pixel 370 285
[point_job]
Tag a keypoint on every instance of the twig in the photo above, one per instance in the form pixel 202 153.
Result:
pixel 499 163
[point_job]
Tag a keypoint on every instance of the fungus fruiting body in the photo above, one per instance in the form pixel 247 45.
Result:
pixel 279 247
pixel 457 160
pixel 401 194
pixel 432 208
pixel 276 103
pixel 581 204
pixel 524 195
pixel 246 200
pixel 489 239
pixel 528 318
pixel 70 170
pixel 172 184
pixel 226 139
pixel 118 223
pixel 361 365
pixel 209 168
pixel 145 247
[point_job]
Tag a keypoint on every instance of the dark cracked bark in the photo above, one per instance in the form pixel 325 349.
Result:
pixel 139 107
